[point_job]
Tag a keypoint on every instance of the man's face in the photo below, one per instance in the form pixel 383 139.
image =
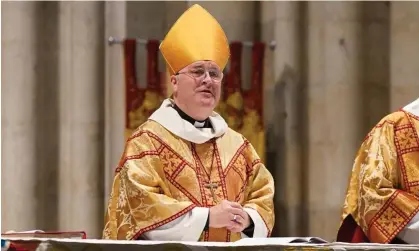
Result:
pixel 198 85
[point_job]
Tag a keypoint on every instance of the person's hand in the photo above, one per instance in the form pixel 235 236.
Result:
pixel 228 214
pixel 243 224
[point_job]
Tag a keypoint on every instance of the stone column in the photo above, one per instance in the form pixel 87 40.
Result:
pixel 376 62
pixel 281 21
pixel 82 87
pixel 404 53
pixel 333 109
pixel 19 68
pixel 115 19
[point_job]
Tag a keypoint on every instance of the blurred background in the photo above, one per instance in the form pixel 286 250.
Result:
pixel 305 83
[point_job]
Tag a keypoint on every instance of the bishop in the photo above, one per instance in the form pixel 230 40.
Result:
pixel 184 174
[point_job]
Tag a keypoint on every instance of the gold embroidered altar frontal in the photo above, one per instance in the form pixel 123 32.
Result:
pixel 383 191
pixel 162 177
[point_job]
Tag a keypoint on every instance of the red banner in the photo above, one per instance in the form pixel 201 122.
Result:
pixel 253 126
pixel 232 90
pixel 133 95
pixel 153 75
pixel 141 103
pixel 234 77
pixel 156 86
pixel 253 98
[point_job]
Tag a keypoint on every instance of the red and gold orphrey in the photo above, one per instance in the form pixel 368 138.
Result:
pixel 155 184
pixel 383 193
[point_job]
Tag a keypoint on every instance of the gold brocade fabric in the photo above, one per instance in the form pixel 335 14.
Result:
pixel 253 131
pixel 248 123
pixel 383 192
pixel 152 101
pixel 162 177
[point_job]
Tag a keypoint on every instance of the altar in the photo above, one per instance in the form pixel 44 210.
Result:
pixel 39 244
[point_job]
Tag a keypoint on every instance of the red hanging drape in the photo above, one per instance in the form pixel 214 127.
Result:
pixel 133 95
pixel 253 98
pixel 232 90
pixel 155 91
pixel 233 79
pixel 153 76
pixel 140 102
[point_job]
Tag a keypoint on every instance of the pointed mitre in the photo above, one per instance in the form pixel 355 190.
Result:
pixel 195 36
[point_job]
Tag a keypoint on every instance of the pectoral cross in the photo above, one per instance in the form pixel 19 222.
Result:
pixel 212 186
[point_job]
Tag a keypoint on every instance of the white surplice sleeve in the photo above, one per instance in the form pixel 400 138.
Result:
pixel 261 231
pixel 188 227
pixel 410 233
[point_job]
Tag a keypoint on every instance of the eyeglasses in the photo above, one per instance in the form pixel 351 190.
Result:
pixel 200 73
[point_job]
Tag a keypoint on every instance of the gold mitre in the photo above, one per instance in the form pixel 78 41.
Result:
pixel 195 36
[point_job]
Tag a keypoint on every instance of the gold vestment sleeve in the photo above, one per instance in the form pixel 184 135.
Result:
pixel 383 188
pixel 140 200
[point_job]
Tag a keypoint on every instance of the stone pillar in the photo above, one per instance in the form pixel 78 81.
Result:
pixel 115 19
pixel 82 87
pixel 19 68
pixel 376 62
pixel 47 115
pixel 333 109
pixel 404 53
pixel 281 21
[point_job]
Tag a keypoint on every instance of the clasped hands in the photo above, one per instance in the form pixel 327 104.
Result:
pixel 229 215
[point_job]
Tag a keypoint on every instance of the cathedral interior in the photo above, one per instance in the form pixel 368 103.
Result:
pixel 329 72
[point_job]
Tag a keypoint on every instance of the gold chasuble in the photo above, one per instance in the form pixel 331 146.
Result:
pixel 163 176
pixel 383 192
